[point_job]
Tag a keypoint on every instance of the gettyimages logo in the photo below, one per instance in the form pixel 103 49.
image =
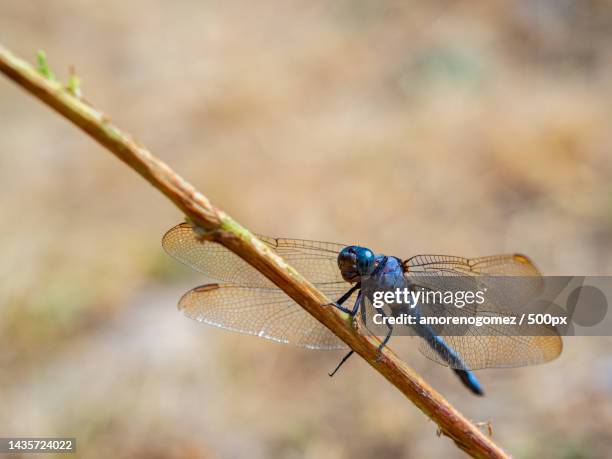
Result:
pixel 412 298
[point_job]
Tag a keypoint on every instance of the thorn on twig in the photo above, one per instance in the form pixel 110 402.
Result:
pixel 43 67
pixel 485 425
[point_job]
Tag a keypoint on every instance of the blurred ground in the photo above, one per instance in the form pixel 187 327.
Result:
pixel 412 127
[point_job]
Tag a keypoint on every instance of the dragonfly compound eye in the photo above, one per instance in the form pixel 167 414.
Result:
pixel 355 261
pixel 347 262
pixel 347 258
pixel 365 261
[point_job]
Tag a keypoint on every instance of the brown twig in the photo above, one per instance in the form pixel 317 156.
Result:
pixel 226 231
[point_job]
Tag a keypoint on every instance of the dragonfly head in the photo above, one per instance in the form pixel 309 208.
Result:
pixel 356 262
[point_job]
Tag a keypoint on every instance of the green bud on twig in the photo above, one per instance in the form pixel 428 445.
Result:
pixel 43 67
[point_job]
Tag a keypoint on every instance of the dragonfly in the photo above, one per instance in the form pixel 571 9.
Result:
pixel 245 301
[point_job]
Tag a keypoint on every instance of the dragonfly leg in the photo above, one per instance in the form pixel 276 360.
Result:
pixel 387 337
pixel 346 296
pixel 344 359
pixel 353 313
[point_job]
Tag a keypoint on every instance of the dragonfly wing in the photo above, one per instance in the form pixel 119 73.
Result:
pixel 487 346
pixel 479 352
pixel 251 303
pixel 210 258
pixel 265 312
pixel 496 265
pixel 317 261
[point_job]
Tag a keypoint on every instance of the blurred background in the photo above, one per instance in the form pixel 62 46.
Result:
pixel 466 128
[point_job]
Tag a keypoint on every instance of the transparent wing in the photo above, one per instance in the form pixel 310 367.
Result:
pixel 265 312
pixel 250 303
pixel 317 261
pixel 487 346
pixel 479 352
pixel 446 265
